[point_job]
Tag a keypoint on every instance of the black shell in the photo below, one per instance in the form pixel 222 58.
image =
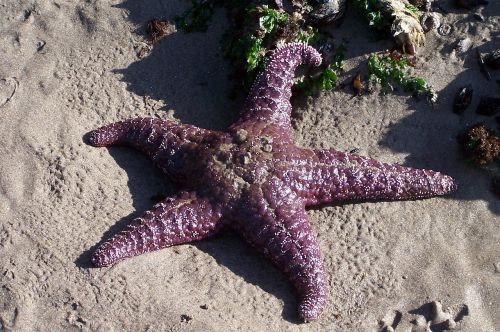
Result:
pixel 493 60
pixel 463 99
pixel 326 11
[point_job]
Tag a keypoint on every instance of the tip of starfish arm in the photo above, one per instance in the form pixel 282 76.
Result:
pixel 93 138
pixel 310 309
pixel 100 259
pixel 448 184
pixel 310 54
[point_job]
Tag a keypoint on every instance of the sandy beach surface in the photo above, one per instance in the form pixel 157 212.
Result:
pixel 67 67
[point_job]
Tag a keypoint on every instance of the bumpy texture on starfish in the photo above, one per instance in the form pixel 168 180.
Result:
pixel 254 180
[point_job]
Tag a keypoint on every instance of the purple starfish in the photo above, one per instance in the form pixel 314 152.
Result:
pixel 254 180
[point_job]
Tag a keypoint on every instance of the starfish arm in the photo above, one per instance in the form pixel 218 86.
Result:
pixel 267 109
pixel 149 135
pixel 330 175
pixel 173 221
pixel 274 221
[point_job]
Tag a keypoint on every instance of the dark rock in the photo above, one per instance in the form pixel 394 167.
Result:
pixel 326 11
pixel 492 60
pixel 488 106
pixel 463 99
pixel 478 17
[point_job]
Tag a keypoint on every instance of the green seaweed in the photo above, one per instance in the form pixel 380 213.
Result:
pixel 196 17
pixel 327 79
pixel 257 31
pixel 369 10
pixel 308 35
pixel 387 71
pixel 253 54
pixel 269 18
pixel 414 10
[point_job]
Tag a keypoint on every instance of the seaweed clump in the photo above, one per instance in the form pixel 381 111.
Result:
pixel 259 27
pixel 399 17
pixel 257 30
pixel 158 29
pixel 197 17
pixel 480 145
pixel 392 69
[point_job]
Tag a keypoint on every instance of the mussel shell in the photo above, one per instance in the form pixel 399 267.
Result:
pixel 430 21
pixel 493 60
pixel 463 99
pixel 326 11
pixel 488 106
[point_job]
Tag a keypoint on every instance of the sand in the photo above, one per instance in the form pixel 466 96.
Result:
pixel 67 67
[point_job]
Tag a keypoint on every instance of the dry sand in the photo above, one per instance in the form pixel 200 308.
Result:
pixel 74 67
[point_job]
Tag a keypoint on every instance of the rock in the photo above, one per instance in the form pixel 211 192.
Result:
pixel 462 99
pixel 463 45
pixel 492 60
pixel 326 11
pixel 488 106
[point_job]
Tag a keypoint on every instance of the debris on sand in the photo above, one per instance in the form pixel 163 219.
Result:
pixel 158 29
pixel 480 145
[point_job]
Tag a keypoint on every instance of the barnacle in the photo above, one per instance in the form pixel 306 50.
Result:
pixel 405 28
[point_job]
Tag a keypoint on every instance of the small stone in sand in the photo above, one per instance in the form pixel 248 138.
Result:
pixel 463 45
pixel 449 324
pixel 438 315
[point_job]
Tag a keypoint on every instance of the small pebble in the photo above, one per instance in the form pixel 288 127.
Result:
pixel 497 267
pixel 204 306
pixel 450 324
pixel 40 45
pixel 142 51
pixel 463 45
pixel 29 17
pixel 420 321
pixel 438 315
pixel 185 318
pixel 478 17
